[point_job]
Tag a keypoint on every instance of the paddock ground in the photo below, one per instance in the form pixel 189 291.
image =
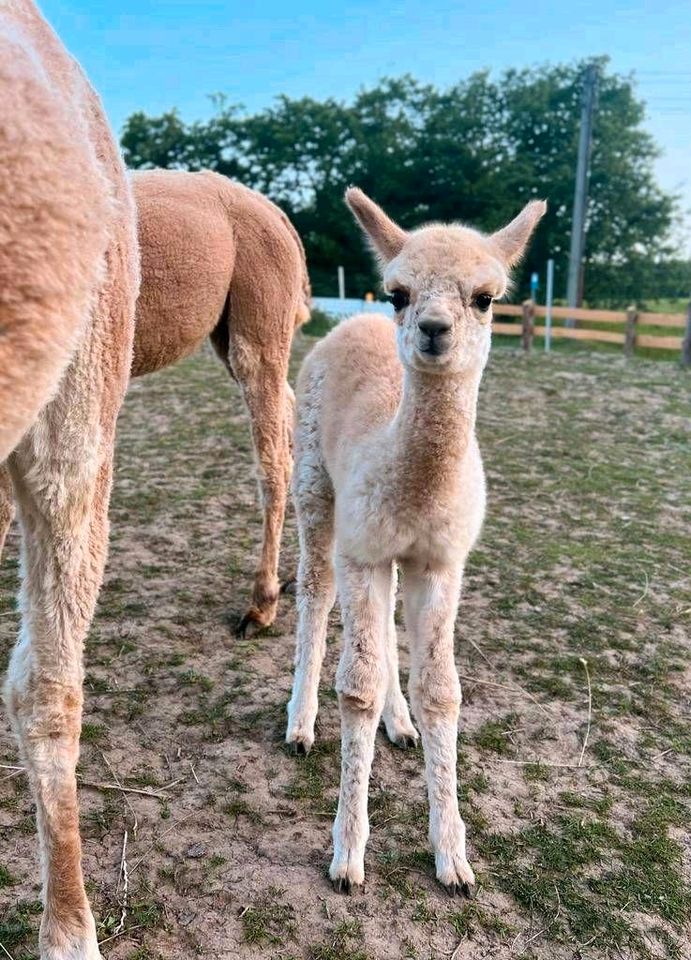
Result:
pixel 584 557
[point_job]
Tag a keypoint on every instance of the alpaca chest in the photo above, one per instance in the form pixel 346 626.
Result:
pixel 372 526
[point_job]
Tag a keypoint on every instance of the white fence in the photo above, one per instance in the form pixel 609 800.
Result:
pixel 349 306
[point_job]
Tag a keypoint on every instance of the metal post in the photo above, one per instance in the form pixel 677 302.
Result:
pixel 549 296
pixel 574 288
pixel 341 283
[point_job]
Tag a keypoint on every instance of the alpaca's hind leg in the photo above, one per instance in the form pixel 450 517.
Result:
pixel 431 600
pixel 361 681
pixel 62 482
pixel 396 716
pixel 313 498
pixel 6 504
pixel 261 370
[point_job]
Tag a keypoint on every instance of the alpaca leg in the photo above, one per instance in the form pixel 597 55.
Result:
pixel 62 495
pixel 262 378
pixel 431 601
pixel 396 716
pixel 361 681
pixel 313 498
pixel 6 504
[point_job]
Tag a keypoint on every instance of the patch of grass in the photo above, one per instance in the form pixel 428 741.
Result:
pixel 339 944
pixel 190 678
pixel 20 923
pixel 493 735
pixel 537 773
pixel 308 781
pixel 95 733
pixel 471 918
pixel 6 878
pixel 268 919
pixel 239 807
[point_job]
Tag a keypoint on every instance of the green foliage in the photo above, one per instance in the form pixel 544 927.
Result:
pixel 476 151
pixel 319 323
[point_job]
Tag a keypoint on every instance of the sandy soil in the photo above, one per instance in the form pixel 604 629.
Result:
pixel 585 555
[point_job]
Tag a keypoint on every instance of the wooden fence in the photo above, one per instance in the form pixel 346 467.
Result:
pixel 630 320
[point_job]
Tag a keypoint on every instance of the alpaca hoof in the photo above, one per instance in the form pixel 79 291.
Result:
pixel 299 740
pixel 252 623
pixel 344 885
pixel 455 874
pixel 400 730
pixel 464 889
pixel 347 870
pixel 405 742
pixel 289 587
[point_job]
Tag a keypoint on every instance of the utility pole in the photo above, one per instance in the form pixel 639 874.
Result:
pixel 574 290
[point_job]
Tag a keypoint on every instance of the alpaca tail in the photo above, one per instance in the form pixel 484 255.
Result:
pixel 305 304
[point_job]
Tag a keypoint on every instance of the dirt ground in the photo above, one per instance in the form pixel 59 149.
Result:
pixel 578 830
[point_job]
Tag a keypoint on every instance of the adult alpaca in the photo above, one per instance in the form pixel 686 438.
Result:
pixel 221 261
pixel 68 284
pixel 388 472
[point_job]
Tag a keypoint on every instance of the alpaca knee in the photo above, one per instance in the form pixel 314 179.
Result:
pixel 435 692
pixel 49 711
pixel 41 709
pixel 361 684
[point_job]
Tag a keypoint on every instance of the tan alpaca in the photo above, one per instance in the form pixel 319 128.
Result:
pixel 388 474
pixel 68 283
pixel 220 260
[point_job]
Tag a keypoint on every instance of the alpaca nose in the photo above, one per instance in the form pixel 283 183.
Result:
pixel 434 327
pixel 434 339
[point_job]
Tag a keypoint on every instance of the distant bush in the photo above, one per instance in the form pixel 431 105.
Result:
pixel 319 323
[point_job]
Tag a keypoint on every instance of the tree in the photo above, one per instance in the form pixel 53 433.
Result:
pixel 476 151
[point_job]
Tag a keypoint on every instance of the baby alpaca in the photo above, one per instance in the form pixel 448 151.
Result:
pixel 388 474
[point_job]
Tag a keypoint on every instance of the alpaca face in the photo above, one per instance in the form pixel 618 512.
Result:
pixel 442 281
pixel 442 285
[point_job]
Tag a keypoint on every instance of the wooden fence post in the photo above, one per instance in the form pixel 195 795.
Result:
pixel 528 316
pixel 630 333
pixel 686 343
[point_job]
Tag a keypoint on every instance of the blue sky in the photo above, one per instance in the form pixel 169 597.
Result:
pixel 154 56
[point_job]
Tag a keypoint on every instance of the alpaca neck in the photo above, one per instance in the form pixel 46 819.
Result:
pixel 433 428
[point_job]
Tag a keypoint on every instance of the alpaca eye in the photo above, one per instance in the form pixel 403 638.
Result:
pixel 483 301
pixel 400 300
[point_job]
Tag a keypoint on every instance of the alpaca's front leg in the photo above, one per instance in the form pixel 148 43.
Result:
pixel 431 600
pixel 361 684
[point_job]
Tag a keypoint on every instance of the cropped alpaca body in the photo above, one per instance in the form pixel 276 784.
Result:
pixel 69 274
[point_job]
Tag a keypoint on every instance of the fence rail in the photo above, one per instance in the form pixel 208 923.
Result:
pixel 631 320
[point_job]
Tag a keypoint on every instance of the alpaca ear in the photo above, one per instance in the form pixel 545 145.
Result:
pixel 512 239
pixel 386 237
